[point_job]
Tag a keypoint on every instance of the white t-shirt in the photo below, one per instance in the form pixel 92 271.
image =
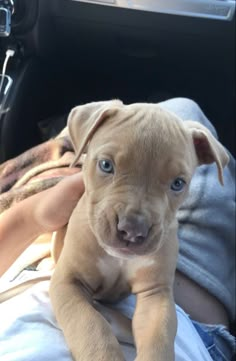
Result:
pixel 29 331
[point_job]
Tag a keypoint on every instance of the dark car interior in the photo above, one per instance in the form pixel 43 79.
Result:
pixel 69 52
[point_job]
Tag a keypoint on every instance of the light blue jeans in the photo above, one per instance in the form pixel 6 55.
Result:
pixel 220 344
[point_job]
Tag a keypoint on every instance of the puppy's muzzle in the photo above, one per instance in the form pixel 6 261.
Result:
pixel 133 229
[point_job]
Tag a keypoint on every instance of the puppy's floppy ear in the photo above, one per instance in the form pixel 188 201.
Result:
pixel 84 120
pixel 208 148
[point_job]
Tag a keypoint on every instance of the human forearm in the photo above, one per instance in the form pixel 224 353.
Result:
pixel 17 230
pixel 44 212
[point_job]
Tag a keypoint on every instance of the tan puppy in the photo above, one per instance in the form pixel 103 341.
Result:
pixel 122 235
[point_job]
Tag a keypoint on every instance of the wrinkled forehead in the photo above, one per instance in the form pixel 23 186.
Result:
pixel 146 135
pixel 146 126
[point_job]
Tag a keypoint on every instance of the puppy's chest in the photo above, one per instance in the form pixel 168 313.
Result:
pixel 118 275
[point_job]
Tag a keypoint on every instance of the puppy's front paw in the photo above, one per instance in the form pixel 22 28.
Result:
pixel 154 357
pixel 105 349
pixel 111 355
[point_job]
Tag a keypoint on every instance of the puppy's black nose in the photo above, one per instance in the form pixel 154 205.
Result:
pixel 133 228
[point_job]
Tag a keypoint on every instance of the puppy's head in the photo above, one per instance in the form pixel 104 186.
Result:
pixel 139 164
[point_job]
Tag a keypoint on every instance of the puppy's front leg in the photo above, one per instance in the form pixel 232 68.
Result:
pixel 87 333
pixel 154 326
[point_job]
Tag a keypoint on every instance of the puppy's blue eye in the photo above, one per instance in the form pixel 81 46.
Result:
pixel 106 166
pixel 178 185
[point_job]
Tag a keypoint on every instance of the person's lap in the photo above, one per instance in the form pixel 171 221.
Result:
pixel 28 329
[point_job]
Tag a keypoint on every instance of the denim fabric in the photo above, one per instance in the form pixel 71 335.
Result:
pixel 220 344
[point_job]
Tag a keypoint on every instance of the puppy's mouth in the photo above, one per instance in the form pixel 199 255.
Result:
pixel 128 251
pixel 129 236
pixel 128 248
pixel 131 244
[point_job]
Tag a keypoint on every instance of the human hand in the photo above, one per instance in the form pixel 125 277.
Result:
pixel 43 212
pixel 54 206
